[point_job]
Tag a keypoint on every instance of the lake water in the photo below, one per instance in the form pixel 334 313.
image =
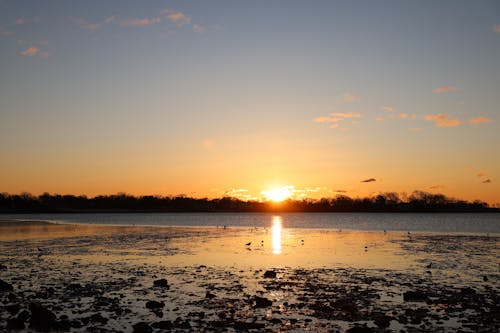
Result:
pixel 442 222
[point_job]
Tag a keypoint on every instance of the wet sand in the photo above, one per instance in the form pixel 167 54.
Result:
pixel 79 278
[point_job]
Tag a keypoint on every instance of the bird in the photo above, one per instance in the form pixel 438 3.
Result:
pixel 248 244
pixel 429 266
pixel 366 248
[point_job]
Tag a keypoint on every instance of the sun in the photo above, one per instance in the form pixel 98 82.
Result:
pixel 278 194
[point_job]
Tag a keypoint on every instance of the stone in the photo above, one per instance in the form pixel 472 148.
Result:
pixel 414 296
pixel 42 319
pixel 162 283
pixel 360 329
pixel 383 321
pixel 270 274
pixel 241 325
pixel 142 327
pixel 163 325
pixel 154 305
pixel 262 302
pixel 4 286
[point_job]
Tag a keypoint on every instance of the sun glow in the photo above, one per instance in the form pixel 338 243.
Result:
pixel 278 194
pixel 276 229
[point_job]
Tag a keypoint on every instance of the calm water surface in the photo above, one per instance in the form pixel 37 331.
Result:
pixel 448 223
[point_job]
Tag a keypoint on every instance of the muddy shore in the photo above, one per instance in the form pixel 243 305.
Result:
pixel 154 279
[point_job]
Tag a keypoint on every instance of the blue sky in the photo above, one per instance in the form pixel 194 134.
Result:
pixel 204 97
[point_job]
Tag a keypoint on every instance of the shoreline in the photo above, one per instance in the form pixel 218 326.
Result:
pixel 138 279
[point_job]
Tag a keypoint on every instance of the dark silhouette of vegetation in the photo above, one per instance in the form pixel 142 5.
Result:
pixel 387 202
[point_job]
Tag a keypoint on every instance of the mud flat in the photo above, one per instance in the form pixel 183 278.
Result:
pixel 77 278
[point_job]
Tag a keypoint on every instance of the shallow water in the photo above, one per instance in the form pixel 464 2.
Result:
pixel 430 222
pixel 327 280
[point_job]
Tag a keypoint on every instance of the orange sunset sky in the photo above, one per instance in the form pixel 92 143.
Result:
pixel 232 98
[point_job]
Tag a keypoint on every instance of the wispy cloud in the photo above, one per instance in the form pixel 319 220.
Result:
pixel 369 180
pixel 22 20
pixel 335 118
pixel 442 120
pixel 389 108
pixel 436 187
pixel 484 177
pixel 479 120
pixel 85 24
pixel 347 115
pixel 199 28
pixel 34 51
pixel 496 28
pixel 110 19
pixel 178 18
pixel 141 22
pixel 403 115
pixel 446 89
pixel 349 97
pixel 30 51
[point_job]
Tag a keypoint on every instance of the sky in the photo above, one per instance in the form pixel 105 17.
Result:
pixel 242 98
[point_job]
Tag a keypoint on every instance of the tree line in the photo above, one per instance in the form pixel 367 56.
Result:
pixel 418 201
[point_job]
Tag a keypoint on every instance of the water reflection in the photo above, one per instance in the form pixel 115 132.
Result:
pixel 276 228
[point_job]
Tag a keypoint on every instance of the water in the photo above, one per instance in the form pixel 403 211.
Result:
pixel 442 222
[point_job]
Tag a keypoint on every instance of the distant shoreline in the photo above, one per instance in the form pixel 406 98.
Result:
pixel 417 202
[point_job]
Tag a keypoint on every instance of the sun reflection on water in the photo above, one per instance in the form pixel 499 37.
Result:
pixel 276 228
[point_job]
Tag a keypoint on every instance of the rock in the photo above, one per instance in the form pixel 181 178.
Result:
pixel 4 286
pixel 3 267
pixel 154 305
pixel 183 324
pixel 467 291
pixel 262 302
pixel 74 286
pixel 42 319
pixel 17 323
pixel 13 308
pixel 142 327
pixel 360 329
pixel 98 318
pixel 241 325
pixel 270 275
pixel 209 295
pixel 414 296
pixel 23 315
pixel 63 325
pixel 163 325
pixel 162 283
pixel 383 321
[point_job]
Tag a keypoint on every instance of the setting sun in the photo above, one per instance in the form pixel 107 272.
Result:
pixel 278 194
